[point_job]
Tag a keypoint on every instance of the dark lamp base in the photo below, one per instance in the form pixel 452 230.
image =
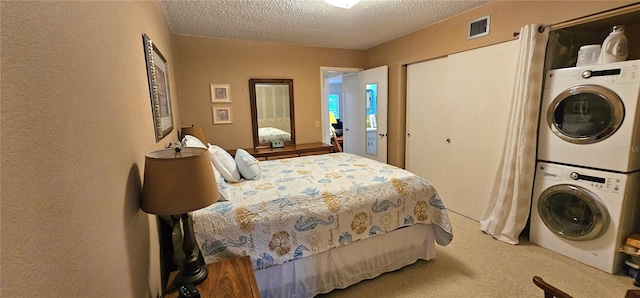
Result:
pixel 195 278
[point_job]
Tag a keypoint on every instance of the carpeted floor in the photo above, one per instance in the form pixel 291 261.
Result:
pixel 476 265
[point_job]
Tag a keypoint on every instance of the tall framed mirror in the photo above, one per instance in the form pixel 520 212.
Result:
pixel 272 111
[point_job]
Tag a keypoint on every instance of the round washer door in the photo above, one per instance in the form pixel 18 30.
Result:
pixel 573 212
pixel 585 114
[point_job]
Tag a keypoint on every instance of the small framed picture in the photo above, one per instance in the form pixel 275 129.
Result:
pixel 222 115
pixel 220 93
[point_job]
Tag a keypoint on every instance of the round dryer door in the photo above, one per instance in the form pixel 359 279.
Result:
pixel 573 212
pixel 585 114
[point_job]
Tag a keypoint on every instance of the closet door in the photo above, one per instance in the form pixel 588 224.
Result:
pixel 457 117
pixel 427 129
pixel 479 86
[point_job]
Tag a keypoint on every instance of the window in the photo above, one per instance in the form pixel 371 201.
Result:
pixel 334 105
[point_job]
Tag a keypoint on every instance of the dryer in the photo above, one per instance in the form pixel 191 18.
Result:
pixel 590 117
pixel 584 214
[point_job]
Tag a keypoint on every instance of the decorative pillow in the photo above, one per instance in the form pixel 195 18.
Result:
pixel 248 165
pixel 191 141
pixel 224 163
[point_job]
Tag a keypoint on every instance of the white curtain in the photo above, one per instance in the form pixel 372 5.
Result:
pixel 507 210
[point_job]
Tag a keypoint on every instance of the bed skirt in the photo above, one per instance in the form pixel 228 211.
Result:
pixel 346 265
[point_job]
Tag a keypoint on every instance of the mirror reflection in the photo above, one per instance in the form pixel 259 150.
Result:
pixel 371 114
pixel 272 112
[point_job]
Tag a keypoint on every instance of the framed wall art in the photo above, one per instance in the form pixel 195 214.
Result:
pixel 158 77
pixel 220 93
pixel 222 115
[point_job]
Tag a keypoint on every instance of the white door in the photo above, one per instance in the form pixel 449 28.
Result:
pixel 326 136
pixel 426 143
pixel 374 82
pixel 366 103
pixel 479 87
pixel 457 116
pixel 329 76
pixel 353 141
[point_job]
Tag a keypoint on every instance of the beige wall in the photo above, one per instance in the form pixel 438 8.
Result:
pixel 203 61
pixel 76 124
pixel 449 37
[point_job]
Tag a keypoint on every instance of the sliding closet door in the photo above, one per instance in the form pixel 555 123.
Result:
pixel 457 117
pixel 479 84
pixel 426 147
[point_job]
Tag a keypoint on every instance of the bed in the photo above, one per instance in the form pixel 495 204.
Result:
pixel 268 134
pixel 316 223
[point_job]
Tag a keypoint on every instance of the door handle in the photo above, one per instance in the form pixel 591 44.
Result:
pixel 384 134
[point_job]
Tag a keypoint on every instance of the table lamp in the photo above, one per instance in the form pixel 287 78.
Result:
pixel 176 182
pixel 196 131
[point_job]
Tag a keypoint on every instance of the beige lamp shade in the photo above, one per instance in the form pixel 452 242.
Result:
pixel 178 181
pixel 196 131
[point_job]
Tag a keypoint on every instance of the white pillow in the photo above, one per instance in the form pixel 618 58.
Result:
pixel 222 185
pixel 224 163
pixel 191 141
pixel 248 165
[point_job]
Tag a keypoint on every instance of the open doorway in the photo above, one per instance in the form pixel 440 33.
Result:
pixel 333 101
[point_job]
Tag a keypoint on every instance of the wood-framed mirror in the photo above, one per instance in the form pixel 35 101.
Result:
pixel 272 111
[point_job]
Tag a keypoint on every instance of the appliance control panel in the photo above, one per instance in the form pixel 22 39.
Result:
pixel 624 74
pixel 619 72
pixel 608 184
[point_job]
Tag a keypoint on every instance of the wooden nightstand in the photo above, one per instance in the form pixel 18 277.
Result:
pixel 230 278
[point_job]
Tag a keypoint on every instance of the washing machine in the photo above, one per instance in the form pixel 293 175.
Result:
pixel 590 117
pixel 584 214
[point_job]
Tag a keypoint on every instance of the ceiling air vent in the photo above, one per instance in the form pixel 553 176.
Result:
pixel 479 27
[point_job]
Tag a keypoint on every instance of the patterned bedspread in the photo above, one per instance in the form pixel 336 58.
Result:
pixel 268 134
pixel 301 206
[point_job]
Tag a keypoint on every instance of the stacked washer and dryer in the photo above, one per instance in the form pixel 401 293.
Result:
pixel 587 187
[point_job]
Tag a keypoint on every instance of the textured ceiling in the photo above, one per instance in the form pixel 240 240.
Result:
pixel 310 22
